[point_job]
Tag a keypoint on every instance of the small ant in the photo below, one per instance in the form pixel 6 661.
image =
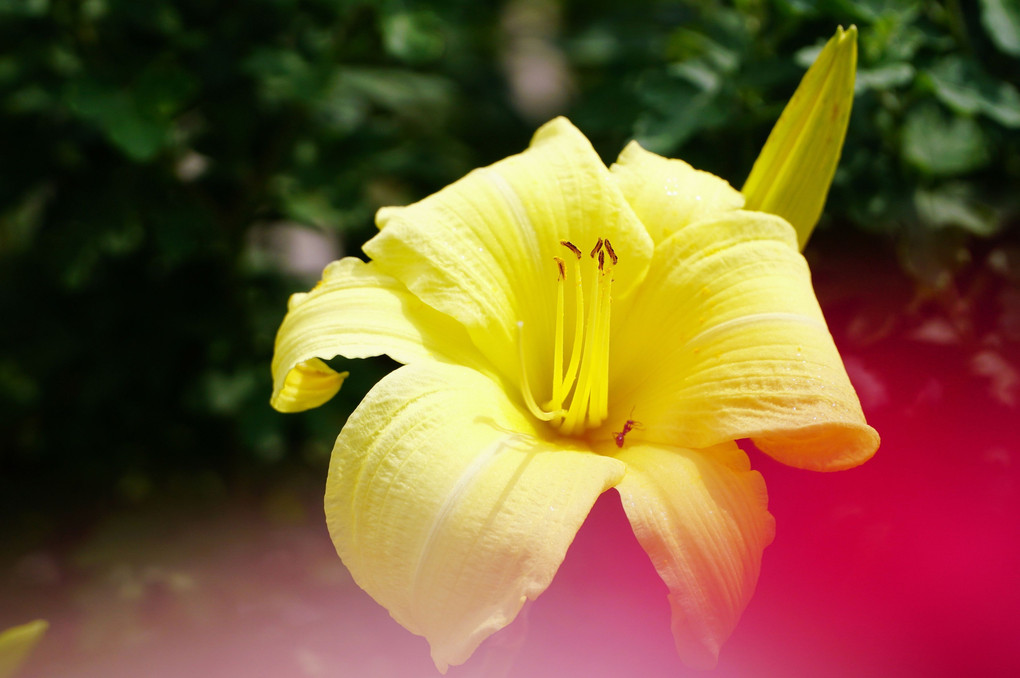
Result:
pixel 628 426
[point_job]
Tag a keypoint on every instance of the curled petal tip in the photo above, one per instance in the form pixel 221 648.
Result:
pixel 792 175
pixel 308 384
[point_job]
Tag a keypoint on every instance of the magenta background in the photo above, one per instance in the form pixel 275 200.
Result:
pixel 907 566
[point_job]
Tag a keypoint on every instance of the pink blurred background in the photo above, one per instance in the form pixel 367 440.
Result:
pixel 907 566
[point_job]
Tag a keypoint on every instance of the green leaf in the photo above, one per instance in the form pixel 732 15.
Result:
pixel 21 222
pixel 17 384
pixel 162 91
pixel 402 92
pixel 29 8
pixel 954 205
pixel 965 88
pixel 283 75
pixel 892 32
pixel 688 46
pixel 416 37
pixel 943 145
pixel 679 105
pixel 884 77
pixel 137 119
pixel 115 113
pixel 877 10
pixel 798 7
pixel 226 393
pixel 312 207
pixel 1001 19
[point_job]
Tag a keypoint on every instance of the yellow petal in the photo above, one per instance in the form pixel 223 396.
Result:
pixel 483 249
pixel 791 176
pixel 307 384
pixel 16 643
pixel 449 508
pixel 703 519
pixel 740 349
pixel 356 312
pixel 667 194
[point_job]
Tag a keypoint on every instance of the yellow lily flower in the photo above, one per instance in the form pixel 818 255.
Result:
pixel 791 176
pixel 565 328
pixel 17 643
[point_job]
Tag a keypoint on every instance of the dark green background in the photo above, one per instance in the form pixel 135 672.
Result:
pixel 150 150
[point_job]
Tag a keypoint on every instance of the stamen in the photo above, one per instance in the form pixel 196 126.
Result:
pixel 529 399
pixel 561 389
pixel 580 396
pixel 599 409
pixel 557 382
pixel 582 391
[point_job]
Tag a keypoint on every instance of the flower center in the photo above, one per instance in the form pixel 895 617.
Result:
pixel 580 393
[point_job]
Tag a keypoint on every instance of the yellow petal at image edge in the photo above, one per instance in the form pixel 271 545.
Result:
pixel 743 349
pixel 791 176
pixel 16 643
pixel 702 517
pixel 355 312
pixel 449 508
pixel 482 249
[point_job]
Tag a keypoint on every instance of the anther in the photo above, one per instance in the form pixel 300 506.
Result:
pixel 598 247
pixel 562 266
pixel 570 246
pixel 602 260
pixel 609 248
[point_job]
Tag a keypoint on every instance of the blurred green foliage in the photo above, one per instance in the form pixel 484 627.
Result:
pixel 156 155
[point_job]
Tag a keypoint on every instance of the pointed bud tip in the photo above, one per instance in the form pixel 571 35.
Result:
pixel 791 176
pixel 846 38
